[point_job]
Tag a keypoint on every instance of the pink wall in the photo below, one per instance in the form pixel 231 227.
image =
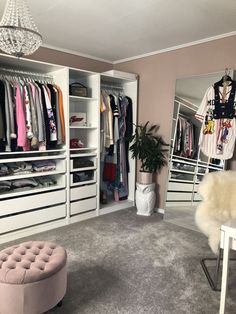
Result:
pixel 70 60
pixel 158 74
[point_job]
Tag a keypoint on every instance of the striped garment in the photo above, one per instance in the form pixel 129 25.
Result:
pixel 217 136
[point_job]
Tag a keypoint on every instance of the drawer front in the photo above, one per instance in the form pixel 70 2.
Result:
pixel 16 205
pixel 32 218
pixel 175 196
pixel 83 206
pixel 93 159
pixel 197 197
pixel 85 181
pixel 176 186
pixel 196 187
pixel 83 192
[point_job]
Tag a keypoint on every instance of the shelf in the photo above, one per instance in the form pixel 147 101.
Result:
pixel 182 171
pixel 83 169
pixel 83 155
pixel 32 158
pixel 32 175
pixel 36 190
pixel 184 162
pixel 215 167
pixel 83 127
pixel 83 183
pixel 82 98
pixel 82 149
pixel 34 152
pixel 180 180
pixel 185 158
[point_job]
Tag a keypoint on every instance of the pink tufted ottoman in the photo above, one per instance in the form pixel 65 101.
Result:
pixel 33 277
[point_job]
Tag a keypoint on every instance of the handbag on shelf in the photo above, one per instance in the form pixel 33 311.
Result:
pixel 78 89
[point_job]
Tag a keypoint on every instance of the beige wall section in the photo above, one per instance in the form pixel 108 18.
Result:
pixel 67 59
pixel 157 83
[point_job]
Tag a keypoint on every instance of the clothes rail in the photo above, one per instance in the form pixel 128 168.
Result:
pixel 105 86
pixel 13 72
pixel 184 116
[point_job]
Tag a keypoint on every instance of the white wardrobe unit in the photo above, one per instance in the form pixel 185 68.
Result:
pixel 186 173
pixel 75 196
pixel 30 209
pixel 84 167
pixel 125 84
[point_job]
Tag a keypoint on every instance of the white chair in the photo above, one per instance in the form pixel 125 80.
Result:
pixel 218 205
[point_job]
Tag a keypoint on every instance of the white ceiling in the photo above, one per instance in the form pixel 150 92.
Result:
pixel 119 29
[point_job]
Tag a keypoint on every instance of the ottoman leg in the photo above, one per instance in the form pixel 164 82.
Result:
pixel 59 304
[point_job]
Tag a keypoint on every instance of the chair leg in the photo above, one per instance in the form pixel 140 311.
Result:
pixel 214 281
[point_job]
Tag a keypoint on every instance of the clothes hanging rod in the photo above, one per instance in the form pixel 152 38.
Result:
pixel 13 72
pixel 111 87
pixel 184 115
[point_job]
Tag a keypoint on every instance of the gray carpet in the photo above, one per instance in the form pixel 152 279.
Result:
pixel 122 263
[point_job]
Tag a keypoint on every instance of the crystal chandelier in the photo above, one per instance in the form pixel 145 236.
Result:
pixel 19 36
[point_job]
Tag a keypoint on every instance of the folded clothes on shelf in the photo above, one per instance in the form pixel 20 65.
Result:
pixel 16 168
pixel 83 176
pixel 5 186
pixel 184 167
pixel 46 181
pixel 179 176
pixel 25 182
pixel 43 165
pixel 3 170
pixel 82 163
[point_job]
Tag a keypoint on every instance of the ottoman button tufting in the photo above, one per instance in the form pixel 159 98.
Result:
pixel 32 271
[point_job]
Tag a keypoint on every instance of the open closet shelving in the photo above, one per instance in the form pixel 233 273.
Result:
pixel 75 195
pixel 83 179
pixel 185 173
pixel 126 84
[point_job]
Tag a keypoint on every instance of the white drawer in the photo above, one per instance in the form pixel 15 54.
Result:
pixel 83 192
pixel 19 204
pixel 90 180
pixel 32 218
pixel 83 206
pixel 94 159
pixel 197 197
pixel 175 196
pixel 179 186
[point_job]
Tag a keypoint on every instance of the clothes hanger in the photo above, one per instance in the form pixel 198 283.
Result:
pixel 226 79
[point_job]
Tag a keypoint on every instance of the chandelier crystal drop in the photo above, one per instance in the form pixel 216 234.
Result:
pixel 19 36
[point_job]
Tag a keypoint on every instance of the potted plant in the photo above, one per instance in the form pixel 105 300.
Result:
pixel 151 150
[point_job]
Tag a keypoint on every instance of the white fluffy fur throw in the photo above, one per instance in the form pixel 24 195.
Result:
pixel 218 191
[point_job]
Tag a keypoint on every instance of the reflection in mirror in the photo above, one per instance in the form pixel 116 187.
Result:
pixel 187 164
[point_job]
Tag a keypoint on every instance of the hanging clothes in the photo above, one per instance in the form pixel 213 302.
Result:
pixel 116 127
pixel 31 115
pixel 185 141
pixel 217 114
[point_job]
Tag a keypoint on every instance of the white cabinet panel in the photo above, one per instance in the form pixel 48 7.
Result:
pixel 31 218
pixel 83 206
pixel 83 192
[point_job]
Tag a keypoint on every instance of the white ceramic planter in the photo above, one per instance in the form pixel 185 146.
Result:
pixel 145 198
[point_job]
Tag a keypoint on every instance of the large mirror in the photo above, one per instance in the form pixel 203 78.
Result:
pixel 187 164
